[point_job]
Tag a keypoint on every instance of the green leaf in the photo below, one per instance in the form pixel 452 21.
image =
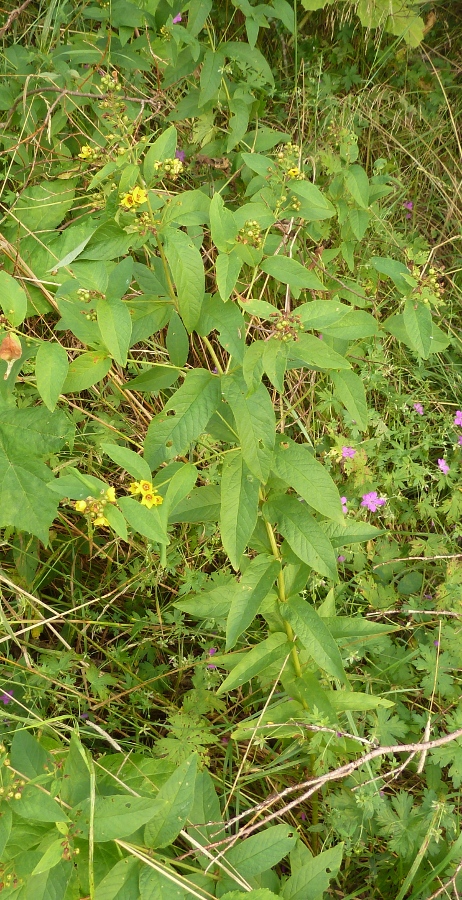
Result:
pixel 187 269
pixel 51 368
pixel 303 533
pixel 239 505
pixel 26 436
pixel 395 326
pixel 211 75
pixel 227 270
pixel 116 816
pixel 85 370
pixel 297 466
pixel 177 341
pixel 172 805
pixel 50 858
pixel 314 205
pixel 193 404
pixel 227 319
pixel 76 774
pixel 315 636
pixel 180 485
pixel 258 894
pixel 214 603
pixel 202 506
pixel 417 320
pixel 349 388
pixel 115 325
pixel 6 819
pixel 13 299
pixel 291 272
pixel 321 313
pixel 154 379
pixel 155 886
pixel 42 207
pixel 258 163
pixel 350 533
pixel 162 148
pixel 357 183
pixel 51 884
pixel 238 122
pixel 116 520
pixel 397 271
pixel 249 594
pixel 36 806
pixel 313 879
pixel 260 852
pixel 359 220
pixel 28 756
pixel 276 647
pixel 256 425
pixel 222 224
pixel 121 883
pixel 314 352
pixel 147 522
pixel 354 326
pixel 120 279
pixel 134 464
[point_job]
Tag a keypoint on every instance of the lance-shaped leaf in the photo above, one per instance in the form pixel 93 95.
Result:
pixel 255 423
pixel 314 352
pixel 239 505
pixel 187 270
pixel 291 272
pixel 303 533
pixel 349 388
pixel 172 805
pixel 296 465
pixel 418 324
pixel 249 594
pixel 315 636
pixel 276 647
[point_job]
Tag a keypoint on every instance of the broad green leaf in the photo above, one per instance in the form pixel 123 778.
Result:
pixel 314 352
pixel 297 466
pixel 49 885
pixel 6 819
pixel 350 532
pixel 85 370
pixel 255 423
pixel 238 122
pixel 76 486
pixel 239 505
pixel 222 224
pixel 116 816
pixel 28 756
pixel 109 241
pixel 42 207
pixel 121 883
pixel 51 368
pixel 13 299
pixel 187 208
pixel 303 533
pixel 187 269
pixel 116 520
pixel 193 404
pixel 147 522
pixel 115 325
pixel 26 436
pixel 36 806
pixel 227 319
pixel 354 326
pixel 255 584
pixel 349 388
pixel 260 852
pixel 177 341
pixel 359 220
pixel 315 636
pixel 258 163
pixel 291 272
pixel 253 365
pixel 162 148
pixel 211 75
pixel 154 379
pixel 180 485
pixel 313 879
pixel 120 279
pixel 357 183
pixel 395 326
pixel 50 858
pixel 205 812
pixel 202 506
pixel 76 774
pixel 172 805
pixel 357 629
pixel 314 205
pixel 134 464
pixel 397 271
pixel 275 647
pixel 155 886
pixel 227 270
pixel 417 320
pixel 275 361
pixel 214 603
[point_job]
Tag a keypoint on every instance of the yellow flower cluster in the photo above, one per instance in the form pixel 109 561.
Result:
pixel 169 168
pixel 134 198
pixel 149 494
pixel 95 508
pixel 88 153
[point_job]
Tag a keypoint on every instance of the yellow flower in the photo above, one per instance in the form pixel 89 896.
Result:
pixel 86 152
pixel 146 487
pixel 101 520
pixel 139 195
pixel 293 173
pixel 134 487
pixel 151 499
pixel 127 201
pixel 80 505
pixel 110 495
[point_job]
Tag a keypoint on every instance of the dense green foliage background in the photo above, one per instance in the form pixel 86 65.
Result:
pixel 230 445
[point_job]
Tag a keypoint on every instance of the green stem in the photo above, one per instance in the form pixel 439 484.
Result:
pixel 212 354
pixel 283 599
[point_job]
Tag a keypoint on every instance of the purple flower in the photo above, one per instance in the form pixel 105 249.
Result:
pixel 212 651
pixel 372 501
pixel 443 466
pixel 419 408
pixel 225 740
pixel 348 452
pixel 341 559
pixel 175 21
pixel 460 439
pixel 303 816
pixel 180 154
pixel 408 205
pixel 436 643
pixel 6 697
pixel 458 417
pixel 344 501
pixel 84 715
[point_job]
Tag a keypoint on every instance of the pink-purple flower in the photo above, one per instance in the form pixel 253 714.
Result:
pixel 419 408
pixel 177 19
pixel 458 418
pixel 443 466
pixel 460 439
pixel 180 154
pixel 408 205
pixel 6 697
pixel 344 501
pixel 341 559
pixel 348 452
pixel 372 501
pixel 212 651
